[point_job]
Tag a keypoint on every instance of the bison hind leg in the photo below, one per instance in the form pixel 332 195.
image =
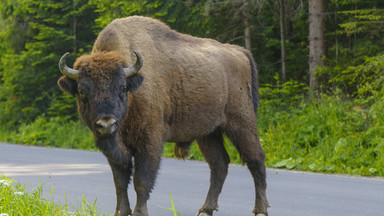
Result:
pixel 181 149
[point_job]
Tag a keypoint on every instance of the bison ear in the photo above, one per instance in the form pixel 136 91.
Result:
pixel 134 82
pixel 67 85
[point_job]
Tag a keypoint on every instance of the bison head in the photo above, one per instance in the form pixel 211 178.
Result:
pixel 101 82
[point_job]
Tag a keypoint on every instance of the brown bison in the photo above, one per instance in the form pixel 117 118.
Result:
pixel 179 89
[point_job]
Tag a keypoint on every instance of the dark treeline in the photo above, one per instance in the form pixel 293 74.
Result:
pixel 35 33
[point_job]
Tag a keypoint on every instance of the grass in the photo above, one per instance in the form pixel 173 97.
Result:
pixel 52 132
pixel 329 135
pixel 173 209
pixel 16 200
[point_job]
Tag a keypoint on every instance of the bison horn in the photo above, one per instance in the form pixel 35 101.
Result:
pixel 67 71
pixel 132 70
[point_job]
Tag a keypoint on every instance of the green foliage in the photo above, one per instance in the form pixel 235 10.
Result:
pixel 185 16
pixel 364 82
pixel 53 132
pixel 329 135
pixel 109 10
pixel 64 105
pixel 355 46
pixel 284 95
pixel 29 66
pixel 15 200
pixel 362 21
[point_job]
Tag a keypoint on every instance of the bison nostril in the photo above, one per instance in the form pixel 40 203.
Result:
pixel 106 127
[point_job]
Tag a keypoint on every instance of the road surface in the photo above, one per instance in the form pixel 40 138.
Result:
pixel 75 173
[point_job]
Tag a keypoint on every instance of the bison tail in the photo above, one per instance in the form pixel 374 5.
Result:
pixel 255 81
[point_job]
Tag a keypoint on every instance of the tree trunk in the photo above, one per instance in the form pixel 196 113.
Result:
pixel 316 10
pixel 247 34
pixel 289 9
pixel 74 29
pixel 247 25
pixel 282 37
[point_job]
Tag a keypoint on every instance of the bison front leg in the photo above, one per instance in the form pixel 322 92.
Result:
pixel 147 162
pixel 121 177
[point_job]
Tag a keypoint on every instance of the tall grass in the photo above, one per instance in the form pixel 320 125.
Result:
pixel 53 132
pixel 15 200
pixel 328 135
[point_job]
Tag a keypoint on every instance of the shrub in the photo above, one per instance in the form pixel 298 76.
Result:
pixel 326 135
pixel 53 132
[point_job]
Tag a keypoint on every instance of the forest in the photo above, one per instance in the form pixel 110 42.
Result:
pixel 320 63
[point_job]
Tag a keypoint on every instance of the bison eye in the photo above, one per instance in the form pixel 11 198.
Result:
pixel 123 92
pixel 82 93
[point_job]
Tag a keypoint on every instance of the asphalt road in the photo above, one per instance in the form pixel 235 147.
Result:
pixel 74 174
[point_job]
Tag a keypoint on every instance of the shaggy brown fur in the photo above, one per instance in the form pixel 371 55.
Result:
pixel 104 60
pixel 188 89
pixel 101 67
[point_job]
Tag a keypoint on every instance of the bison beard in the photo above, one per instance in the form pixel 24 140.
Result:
pixel 186 89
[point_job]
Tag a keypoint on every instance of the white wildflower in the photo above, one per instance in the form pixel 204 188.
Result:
pixel 18 193
pixel 5 183
pixel 4 214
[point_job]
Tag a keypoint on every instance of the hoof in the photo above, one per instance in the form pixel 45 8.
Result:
pixel 140 214
pixel 203 214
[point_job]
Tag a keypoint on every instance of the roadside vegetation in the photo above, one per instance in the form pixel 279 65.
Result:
pixel 15 200
pixel 336 127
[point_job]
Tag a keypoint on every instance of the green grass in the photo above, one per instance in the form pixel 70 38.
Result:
pixel 173 209
pixel 52 132
pixel 328 134
pixel 16 200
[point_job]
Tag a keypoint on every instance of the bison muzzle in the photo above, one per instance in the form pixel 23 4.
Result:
pixel 174 88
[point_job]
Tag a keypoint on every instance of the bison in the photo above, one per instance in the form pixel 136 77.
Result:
pixel 179 88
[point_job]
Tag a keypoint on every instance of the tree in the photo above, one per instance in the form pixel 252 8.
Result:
pixel 282 36
pixel 29 66
pixel 240 17
pixel 316 9
pixel 354 38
